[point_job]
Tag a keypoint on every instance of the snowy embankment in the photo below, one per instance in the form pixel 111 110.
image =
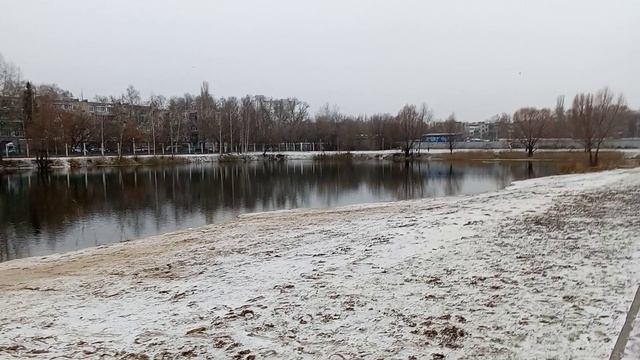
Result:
pixel 546 268
pixel 143 159
pixel 93 161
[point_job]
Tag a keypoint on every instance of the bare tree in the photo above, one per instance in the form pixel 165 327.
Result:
pixel 11 83
pixel 557 126
pixel 529 124
pixel 593 118
pixel 124 109
pixel 175 112
pixel 412 122
pixel 231 114
pixel 298 113
pixel 503 124
pixel 76 129
pixel 248 117
pixel 452 128
pixel 630 124
pixel 156 108
pixel 46 125
pixel 206 119
pixel 328 121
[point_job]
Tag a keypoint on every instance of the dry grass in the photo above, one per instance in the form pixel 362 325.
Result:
pixel 606 156
pixel 98 161
pixel 605 163
pixel 122 161
pixel 229 158
pixel 571 161
pixel 56 163
pixel 74 164
pixel 347 156
pixel 161 160
pixel 135 161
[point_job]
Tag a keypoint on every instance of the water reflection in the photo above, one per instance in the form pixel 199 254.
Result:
pixel 63 211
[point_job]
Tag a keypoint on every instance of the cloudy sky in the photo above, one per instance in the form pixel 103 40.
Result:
pixel 474 58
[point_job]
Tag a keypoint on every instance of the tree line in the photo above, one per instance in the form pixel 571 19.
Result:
pixel 591 119
pixel 224 124
pixel 231 124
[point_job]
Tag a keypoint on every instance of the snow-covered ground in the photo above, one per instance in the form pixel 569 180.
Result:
pixel 631 349
pixel 545 269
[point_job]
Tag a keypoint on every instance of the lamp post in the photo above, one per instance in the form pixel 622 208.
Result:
pixel 102 135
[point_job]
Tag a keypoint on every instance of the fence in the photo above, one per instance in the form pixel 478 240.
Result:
pixel 23 148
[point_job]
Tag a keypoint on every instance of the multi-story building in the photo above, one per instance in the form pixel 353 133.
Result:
pixel 483 130
pixel 89 107
pixel 11 124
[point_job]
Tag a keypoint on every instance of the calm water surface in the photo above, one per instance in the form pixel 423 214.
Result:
pixel 68 210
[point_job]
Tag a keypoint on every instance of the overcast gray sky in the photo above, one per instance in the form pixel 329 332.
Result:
pixel 474 58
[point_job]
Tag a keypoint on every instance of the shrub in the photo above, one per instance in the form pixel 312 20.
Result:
pixel 347 156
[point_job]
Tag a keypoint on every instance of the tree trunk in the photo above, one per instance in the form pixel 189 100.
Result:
pixel 120 144
pixel 42 160
pixel 230 134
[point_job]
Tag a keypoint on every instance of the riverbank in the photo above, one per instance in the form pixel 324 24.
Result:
pixel 545 268
pixel 614 156
pixel 154 160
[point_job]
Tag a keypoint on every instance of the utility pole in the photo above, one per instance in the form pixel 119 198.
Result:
pixel 153 133
pixel 101 134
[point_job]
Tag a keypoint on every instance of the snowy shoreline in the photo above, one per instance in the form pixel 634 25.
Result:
pixel 544 268
pixel 112 160
pixel 144 159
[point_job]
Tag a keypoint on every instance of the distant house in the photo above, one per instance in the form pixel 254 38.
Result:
pixel 485 130
pixel 96 108
pixel 195 137
pixel 85 106
pixel 104 111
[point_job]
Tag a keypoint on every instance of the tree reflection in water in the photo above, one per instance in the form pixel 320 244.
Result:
pixel 67 210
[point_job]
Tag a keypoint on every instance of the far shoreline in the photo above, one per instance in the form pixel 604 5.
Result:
pixel 94 161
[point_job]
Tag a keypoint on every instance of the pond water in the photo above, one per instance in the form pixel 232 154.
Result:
pixel 68 210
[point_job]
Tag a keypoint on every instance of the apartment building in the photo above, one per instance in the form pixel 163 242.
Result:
pixel 11 123
pixel 484 130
